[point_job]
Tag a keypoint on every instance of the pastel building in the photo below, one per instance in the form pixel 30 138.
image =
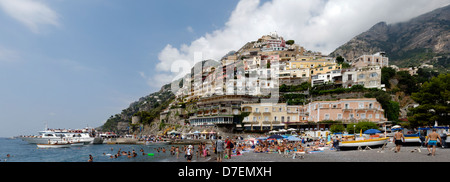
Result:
pixel 346 110
pixel 269 116
pixel 377 59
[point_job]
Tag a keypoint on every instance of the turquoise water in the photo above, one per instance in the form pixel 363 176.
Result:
pixel 21 151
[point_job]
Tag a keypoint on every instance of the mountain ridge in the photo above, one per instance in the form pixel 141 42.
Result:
pixel 410 42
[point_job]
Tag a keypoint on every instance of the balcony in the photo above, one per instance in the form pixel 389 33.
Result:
pixel 272 122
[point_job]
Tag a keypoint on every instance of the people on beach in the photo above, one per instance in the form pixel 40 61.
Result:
pixel 432 142
pixel 189 152
pixel 398 139
pixel 336 144
pixel 229 147
pixel 220 148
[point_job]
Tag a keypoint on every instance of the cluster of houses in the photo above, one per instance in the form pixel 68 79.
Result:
pixel 248 81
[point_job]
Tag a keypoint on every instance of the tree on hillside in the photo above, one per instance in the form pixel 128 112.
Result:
pixel 434 102
pixel 290 42
pixel 386 74
pixel 391 108
pixel 406 82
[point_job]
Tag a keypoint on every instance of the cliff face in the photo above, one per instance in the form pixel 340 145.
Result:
pixel 416 40
pixel 153 104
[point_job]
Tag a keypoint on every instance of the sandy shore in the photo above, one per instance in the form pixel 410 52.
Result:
pixel 374 155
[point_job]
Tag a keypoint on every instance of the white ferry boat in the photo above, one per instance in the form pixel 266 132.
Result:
pixel 57 135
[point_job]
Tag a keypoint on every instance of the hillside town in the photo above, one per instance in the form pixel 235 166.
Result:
pixel 242 91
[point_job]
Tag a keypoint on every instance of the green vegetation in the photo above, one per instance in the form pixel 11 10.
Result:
pixel 386 74
pixel 295 88
pixel 290 42
pixel 148 108
pixel 391 108
pixel 316 91
pixel 336 128
pixel 433 99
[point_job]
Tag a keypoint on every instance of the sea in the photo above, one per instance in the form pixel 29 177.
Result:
pixel 21 151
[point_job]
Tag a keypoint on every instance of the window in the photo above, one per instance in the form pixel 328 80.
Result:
pixel 339 116
pixel 282 118
pixel 327 116
pixel 288 119
pixel 377 116
pixel 349 77
pixel 346 106
pixel 256 109
pixel 266 109
pixel 275 118
pixel 361 76
pixel 370 116
pixel 254 118
pixel 351 116
pixel 266 118
pixel 361 105
pixel 373 75
pixel 370 105
pixel 363 116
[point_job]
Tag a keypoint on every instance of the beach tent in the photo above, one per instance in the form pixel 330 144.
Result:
pixel 275 137
pixel 372 131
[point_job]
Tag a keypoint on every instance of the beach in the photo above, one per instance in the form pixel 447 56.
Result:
pixel 374 155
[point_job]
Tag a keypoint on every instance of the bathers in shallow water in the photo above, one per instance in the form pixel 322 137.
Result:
pixel 432 142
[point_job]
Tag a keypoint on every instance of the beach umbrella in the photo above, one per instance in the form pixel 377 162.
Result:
pixel 372 131
pixel 275 137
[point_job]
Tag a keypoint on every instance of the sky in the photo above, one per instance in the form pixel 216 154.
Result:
pixel 73 64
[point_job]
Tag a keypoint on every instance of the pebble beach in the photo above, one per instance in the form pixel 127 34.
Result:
pixel 407 154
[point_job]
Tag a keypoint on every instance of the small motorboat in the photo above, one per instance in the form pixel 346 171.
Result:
pixel 364 141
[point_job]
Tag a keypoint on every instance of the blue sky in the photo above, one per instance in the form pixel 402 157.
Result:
pixel 74 63
pixel 85 67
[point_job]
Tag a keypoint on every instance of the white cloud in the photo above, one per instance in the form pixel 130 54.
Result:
pixel 31 13
pixel 316 25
